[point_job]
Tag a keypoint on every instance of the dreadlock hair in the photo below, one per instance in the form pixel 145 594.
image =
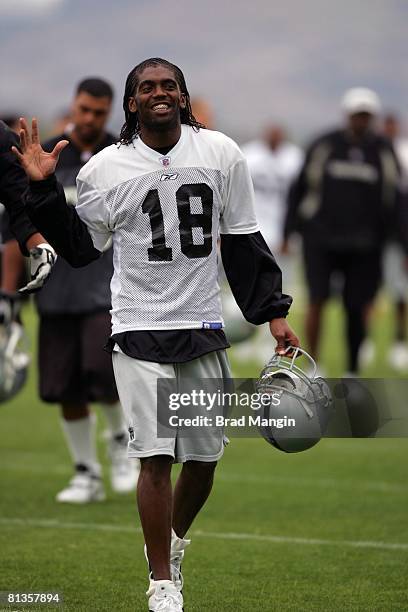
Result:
pixel 131 127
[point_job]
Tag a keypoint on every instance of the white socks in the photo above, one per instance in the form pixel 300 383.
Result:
pixel 114 418
pixel 80 436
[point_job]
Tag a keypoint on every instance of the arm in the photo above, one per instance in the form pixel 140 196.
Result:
pixel 13 183
pixel 59 222
pixel 45 200
pixel 252 272
pixel 256 283
pixel 254 277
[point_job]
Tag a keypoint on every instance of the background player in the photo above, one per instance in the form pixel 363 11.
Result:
pixel 274 162
pixel 342 203
pixel 166 308
pixel 74 321
pixel 394 256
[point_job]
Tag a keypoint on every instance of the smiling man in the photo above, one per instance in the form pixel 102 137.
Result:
pixel 163 195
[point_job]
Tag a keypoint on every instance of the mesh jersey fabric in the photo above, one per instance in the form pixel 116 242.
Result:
pixel 164 214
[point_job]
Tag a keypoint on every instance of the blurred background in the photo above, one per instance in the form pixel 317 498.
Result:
pixel 254 61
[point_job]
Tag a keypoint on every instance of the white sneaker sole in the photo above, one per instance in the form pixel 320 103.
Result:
pixel 98 497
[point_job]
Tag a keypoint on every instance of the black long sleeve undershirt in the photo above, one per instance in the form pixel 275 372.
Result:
pixel 254 277
pixel 59 222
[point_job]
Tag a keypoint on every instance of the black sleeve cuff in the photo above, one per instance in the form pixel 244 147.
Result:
pixel 45 185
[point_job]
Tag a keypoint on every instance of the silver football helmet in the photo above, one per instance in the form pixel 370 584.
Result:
pixel 14 359
pixel 298 414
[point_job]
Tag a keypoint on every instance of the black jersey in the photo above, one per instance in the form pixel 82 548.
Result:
pixel 345 195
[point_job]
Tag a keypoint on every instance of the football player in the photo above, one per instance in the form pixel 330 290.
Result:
pixel 273 162
pixel 343 203
pixel 395 272
pixel 73 308
pixel 163 195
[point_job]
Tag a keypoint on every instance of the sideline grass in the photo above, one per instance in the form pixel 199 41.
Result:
pixel 343 490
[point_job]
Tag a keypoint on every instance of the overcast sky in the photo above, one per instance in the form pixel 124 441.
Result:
pixel 255 60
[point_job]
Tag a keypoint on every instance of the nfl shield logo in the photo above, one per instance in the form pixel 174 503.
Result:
pixel 165 161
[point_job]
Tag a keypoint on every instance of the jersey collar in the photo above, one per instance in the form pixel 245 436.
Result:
pixel 162 160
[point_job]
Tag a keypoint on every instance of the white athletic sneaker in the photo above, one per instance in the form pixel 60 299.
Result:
pixel 83 488
pixel 398 356
pixel 124 472
pixel 163 597
pixel 177 548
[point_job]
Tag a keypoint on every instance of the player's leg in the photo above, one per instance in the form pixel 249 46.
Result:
pixel 362 276
pixel 99 382
pixel 192 490
pixel 60 382
pixel 356 333
pixel 79 426
pixel 136 382
pixel 318 267
pixel 397 285
pixel 313 326
pixel 154 500
pixel 124 472
pixel 401 320
pixel 198 449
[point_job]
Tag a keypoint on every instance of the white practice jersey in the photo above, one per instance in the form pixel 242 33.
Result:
pixel 164 214
pixel 272 173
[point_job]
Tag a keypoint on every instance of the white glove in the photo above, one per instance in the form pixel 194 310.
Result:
pixel 42 259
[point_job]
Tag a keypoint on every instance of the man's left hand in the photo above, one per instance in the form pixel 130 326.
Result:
pixel 42 259
pixel 284 336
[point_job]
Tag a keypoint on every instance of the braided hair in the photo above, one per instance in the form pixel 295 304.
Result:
pixel 131 127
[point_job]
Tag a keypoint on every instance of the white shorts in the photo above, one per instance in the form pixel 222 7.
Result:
pixel 136 381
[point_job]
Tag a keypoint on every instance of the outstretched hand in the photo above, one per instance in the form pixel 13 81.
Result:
pixel 284 336
pixel 37 163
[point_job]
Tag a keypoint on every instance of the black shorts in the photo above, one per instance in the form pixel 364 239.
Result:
pixel 360 273
pixel 74 367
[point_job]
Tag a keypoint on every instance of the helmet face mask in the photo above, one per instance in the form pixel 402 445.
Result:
pixel 299 416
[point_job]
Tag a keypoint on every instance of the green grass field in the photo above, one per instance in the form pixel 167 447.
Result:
pixel 323 530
